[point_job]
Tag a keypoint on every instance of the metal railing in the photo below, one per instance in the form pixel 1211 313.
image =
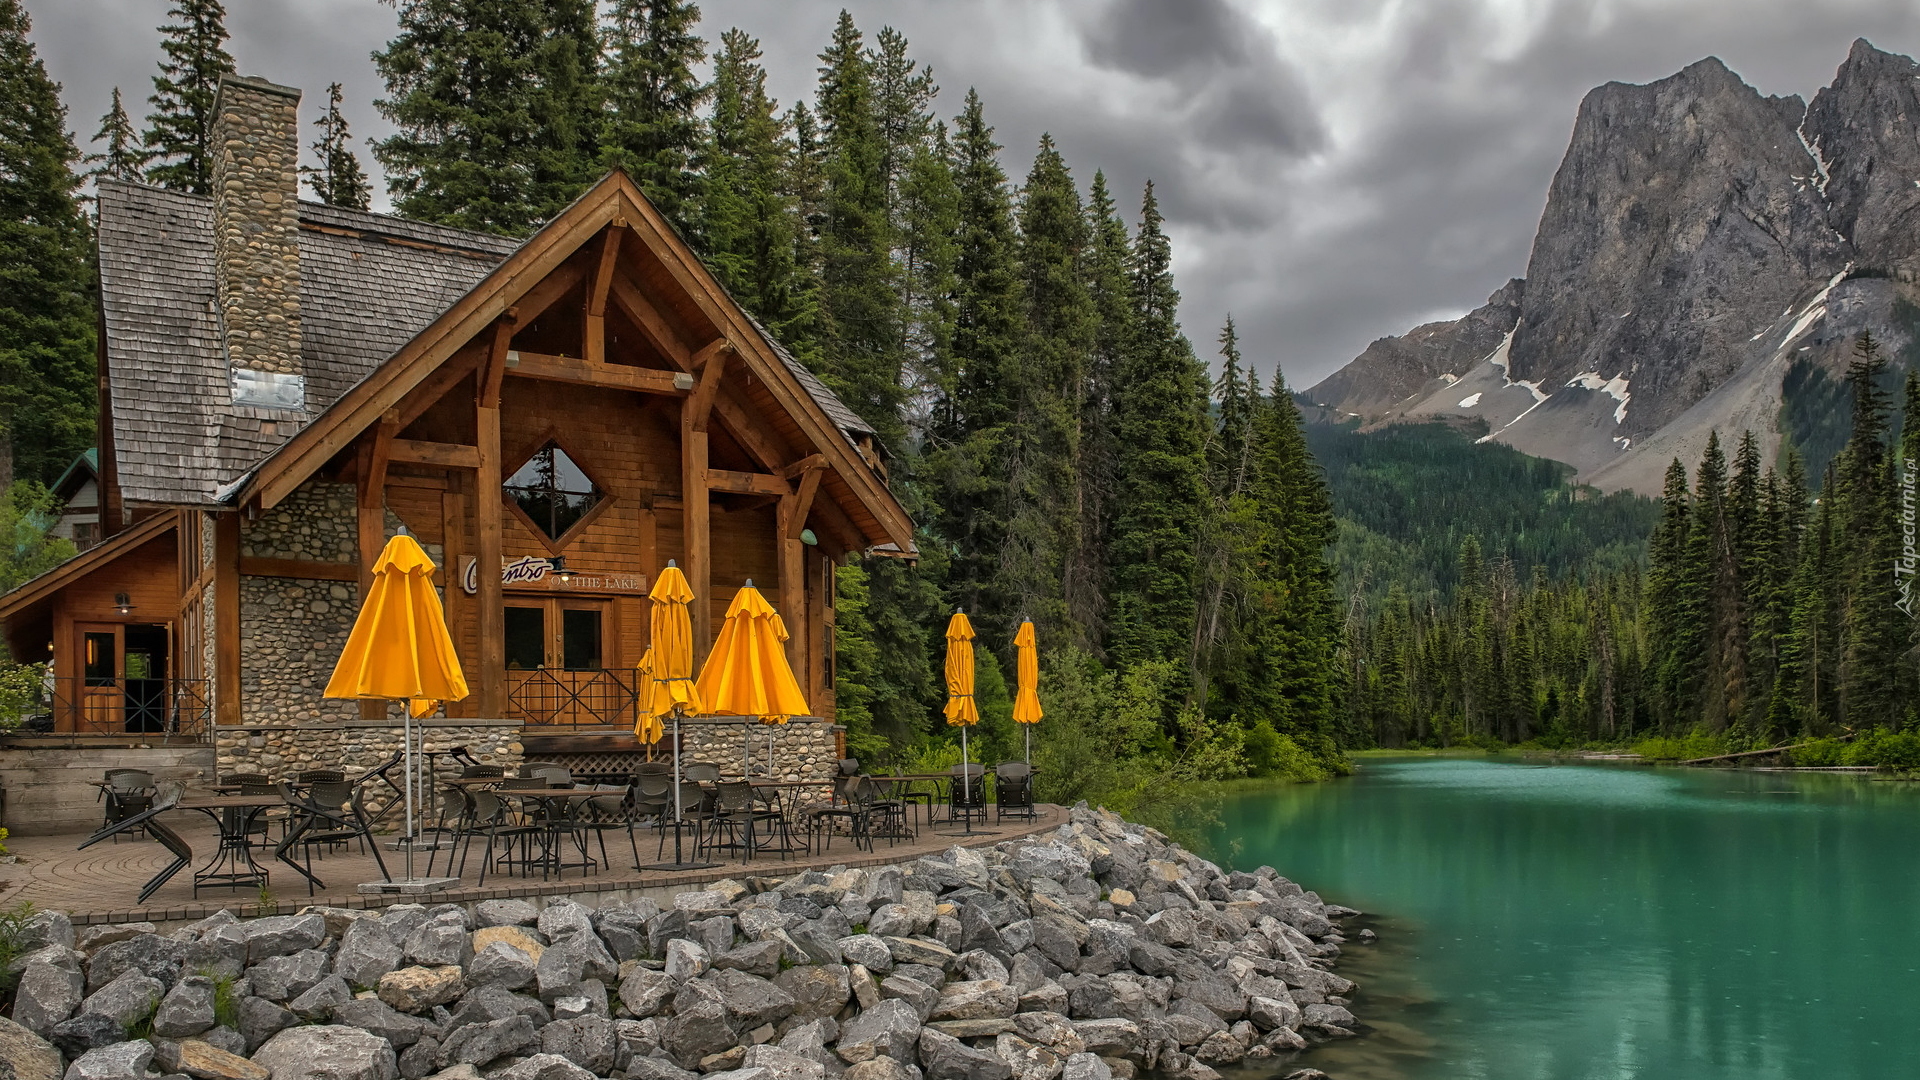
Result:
pixel 157 710
pixel 574 699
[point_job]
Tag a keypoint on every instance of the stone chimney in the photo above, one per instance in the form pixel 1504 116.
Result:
pixel 255 146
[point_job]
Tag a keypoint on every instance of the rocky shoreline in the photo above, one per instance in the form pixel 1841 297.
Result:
pixel 1101 951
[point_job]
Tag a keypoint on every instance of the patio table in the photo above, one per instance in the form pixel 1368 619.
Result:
pixel 233 866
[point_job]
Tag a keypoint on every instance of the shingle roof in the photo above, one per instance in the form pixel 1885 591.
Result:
pixel 369 283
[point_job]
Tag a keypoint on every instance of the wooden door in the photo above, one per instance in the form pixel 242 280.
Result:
pixel 100 696
pixel 558 652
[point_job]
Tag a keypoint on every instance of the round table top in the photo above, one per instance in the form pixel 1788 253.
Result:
pixel 227 802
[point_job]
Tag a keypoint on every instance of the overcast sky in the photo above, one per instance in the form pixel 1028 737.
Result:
pixel 1332 170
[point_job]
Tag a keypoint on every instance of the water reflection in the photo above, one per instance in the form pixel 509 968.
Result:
pixel 1610 922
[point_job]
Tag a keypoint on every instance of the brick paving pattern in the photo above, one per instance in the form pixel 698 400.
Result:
pixel 100 884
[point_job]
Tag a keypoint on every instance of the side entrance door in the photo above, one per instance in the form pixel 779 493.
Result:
pixel 556 651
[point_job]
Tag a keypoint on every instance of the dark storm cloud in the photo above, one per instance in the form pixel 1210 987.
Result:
pixel 1331 170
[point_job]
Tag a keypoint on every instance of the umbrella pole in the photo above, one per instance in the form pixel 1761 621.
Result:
pixel 406 737
pixel 1029 734
pixel 966 778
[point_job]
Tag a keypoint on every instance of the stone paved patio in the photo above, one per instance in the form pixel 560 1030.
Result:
pixel 101 884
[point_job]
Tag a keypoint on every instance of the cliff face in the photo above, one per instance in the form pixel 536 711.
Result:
pixel 1687 257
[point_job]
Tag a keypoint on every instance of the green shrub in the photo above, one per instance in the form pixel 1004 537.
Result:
pixel 1696 744
pixel 1885 749
pixel 1819 754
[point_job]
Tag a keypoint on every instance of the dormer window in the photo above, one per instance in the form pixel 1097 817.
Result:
pixel 553 491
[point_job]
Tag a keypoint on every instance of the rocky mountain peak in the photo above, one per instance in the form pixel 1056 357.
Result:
pixel 1862 128
pixel 1674 230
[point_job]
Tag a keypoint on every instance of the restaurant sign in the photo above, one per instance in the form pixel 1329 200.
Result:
pixel 534 570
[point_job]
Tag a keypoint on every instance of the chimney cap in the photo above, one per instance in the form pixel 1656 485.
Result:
pixel 255 82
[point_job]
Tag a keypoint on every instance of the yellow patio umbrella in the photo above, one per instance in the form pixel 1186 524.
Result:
pixel 1026 699
pixel 962 711
pixel 666 678
pixel 747 673
pixel 646 726
pixel 400 650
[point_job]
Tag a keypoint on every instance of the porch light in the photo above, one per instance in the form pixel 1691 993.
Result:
pixel 807 538
pixel 122 603
pixel 558 564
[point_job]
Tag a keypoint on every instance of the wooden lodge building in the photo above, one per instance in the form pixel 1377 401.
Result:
pixel 284 385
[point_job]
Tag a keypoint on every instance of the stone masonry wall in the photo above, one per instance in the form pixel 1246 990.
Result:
pixel 354 746
pixel 802 749
pixel 292 629
pixel 255 147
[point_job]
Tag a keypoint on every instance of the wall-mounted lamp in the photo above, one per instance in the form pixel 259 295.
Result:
pixel 122 603
pixel 558 565
pixel 807 538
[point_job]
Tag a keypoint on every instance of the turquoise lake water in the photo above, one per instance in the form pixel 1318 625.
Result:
pixel 1597 922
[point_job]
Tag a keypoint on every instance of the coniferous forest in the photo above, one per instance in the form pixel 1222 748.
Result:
pixel 1211 601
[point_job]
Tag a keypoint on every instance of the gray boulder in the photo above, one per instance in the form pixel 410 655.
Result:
pixel 318 1002
pixel 121 1061
pixel 751 1000
pixel 645 991
pixel 543 1067
pixel 376 1016
pixel 329 1052
pixel 365 954
pixel 817 991
pixel 653 1068
pixel 890 1029
pixel 48 991
pixel 1085 1066
pixel 478 1044
pixel 781 1064
pixel 943 1057
pixel 485 1004
pixel 421 1060
pixel 46 928
pixel 285 976
pixel 505 913
pixel 867 950
pixel 760 958
pixel 912 991
pixel 881 1068
pixel 686 959
pixel 700 1026
pixel 438 942
pixel 127 1000
pixel 149 954
pixel 563 917
pixel 587 1041
pixel 261 1020
pixel 500 964
pixel 1110 1038
pixel 186 1010
pixel 283 935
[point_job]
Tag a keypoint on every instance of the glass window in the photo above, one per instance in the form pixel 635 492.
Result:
pixel 553 490
pixel 580 639
pixel 100 660
pixel 526 638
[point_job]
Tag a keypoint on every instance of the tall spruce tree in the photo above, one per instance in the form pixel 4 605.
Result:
pixel 1160 399
pixel 1108 251
pixel 46 310
pixel 123 158
pixel 653 99
pixel 749 218
pixel 338 180
pixel 1871 656
pixel 183 95
pixel 495 106
pixel 862 331
pixel 974 407
pixel 1042 446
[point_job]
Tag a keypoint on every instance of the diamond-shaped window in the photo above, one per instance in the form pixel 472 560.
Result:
pixel 553 491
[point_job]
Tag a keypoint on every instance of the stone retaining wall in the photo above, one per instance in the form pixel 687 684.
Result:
pixel 354 746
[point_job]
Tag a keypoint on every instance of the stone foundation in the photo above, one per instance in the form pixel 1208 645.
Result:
pixel 354 746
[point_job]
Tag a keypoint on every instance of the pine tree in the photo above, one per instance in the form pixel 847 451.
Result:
pixel 1666 559
pixel 184 93
pixel 1105 268
pixel 653 98
pixel 338 179
pixel 1870 656
pixel 46 310
pixel 495 106
pixel 123 159
pixel 974 406
pixel 1159 404
pixel 1043 444
pixel 1228 451
pixel 862 336
pixel 903 94
pixel 749 219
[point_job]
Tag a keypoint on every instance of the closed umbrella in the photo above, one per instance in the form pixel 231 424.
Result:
pixel 961 709
pixel 1026 698
pixel 667 686
pixel 400 650
pixel 747 673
